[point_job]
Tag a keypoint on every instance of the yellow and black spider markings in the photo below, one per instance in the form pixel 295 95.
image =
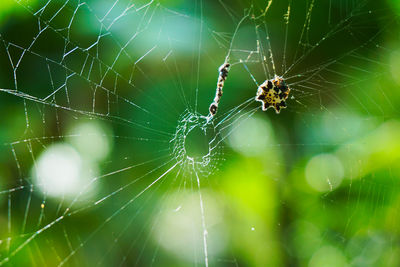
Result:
pixel 273 93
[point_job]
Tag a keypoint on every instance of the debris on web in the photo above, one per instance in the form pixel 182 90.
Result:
pixel 223 74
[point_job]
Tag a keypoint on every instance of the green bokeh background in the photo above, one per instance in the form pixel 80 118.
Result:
pixel 317 185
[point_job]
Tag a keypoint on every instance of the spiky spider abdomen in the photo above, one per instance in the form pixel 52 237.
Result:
pixel 273 93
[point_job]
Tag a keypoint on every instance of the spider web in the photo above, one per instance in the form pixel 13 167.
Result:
pixel 131 77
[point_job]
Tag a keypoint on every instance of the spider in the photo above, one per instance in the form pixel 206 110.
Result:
pixel 273 93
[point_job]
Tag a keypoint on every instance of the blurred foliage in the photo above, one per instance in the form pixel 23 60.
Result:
pixel 316 185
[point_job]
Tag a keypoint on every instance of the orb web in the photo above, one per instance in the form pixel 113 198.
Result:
pixel 143 72
pixel 194 144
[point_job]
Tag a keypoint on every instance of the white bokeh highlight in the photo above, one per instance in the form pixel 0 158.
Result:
pixel 324 172
pixel 91 139
pixel 60 171
pixel 179 231
pixel 251 136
